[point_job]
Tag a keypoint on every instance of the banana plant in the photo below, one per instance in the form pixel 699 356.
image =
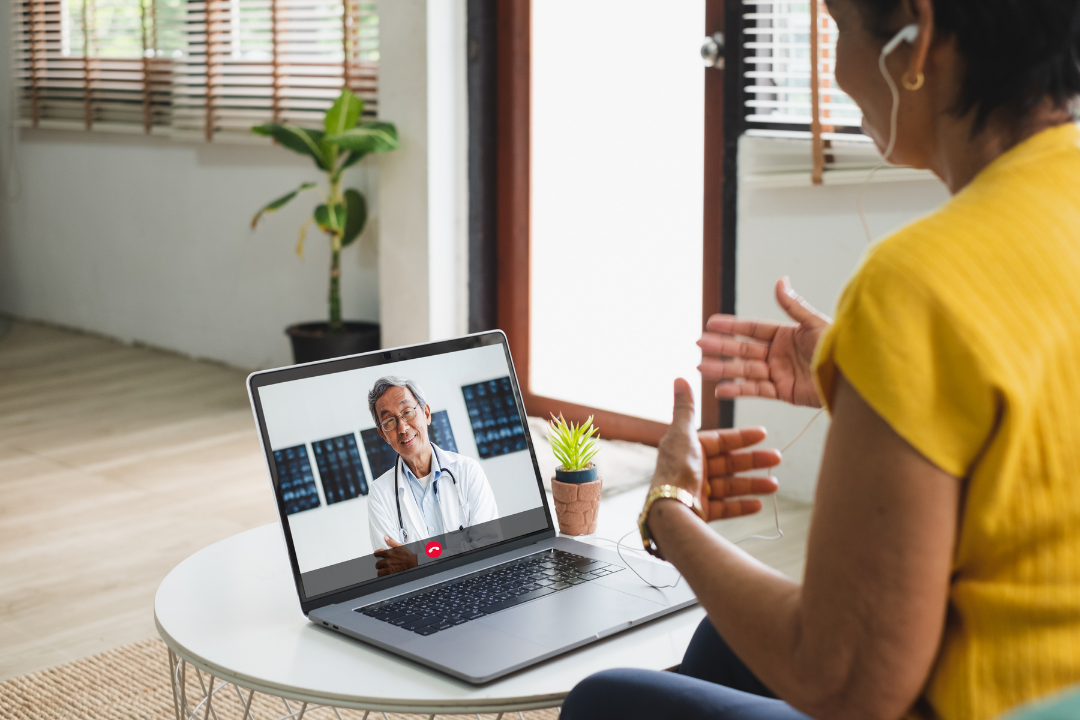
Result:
pixel 344 141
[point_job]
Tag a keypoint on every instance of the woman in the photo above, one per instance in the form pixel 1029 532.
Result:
pixel 943 566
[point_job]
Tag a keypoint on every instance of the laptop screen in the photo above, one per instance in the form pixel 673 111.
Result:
pixel 398 463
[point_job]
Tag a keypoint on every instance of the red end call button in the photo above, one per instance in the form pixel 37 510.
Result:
pixel 433 549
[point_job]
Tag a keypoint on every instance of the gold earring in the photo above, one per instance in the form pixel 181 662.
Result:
pixel 913 84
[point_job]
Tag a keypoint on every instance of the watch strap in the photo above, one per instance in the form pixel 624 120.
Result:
pixel 664 492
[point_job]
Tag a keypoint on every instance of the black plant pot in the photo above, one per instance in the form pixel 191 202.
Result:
pixel 314 341
pixel 576 477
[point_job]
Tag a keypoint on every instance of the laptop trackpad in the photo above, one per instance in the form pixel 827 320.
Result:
pixel 571 615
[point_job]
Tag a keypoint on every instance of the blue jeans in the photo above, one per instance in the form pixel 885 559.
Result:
pixel 711 683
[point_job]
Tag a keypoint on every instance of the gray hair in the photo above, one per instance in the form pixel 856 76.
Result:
pixel 385 383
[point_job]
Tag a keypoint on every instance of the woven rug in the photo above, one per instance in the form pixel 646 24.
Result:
pixel 133 682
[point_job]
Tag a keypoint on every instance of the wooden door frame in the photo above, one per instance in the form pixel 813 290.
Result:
pixel 513 21
pixel 481 73
pixel 723 126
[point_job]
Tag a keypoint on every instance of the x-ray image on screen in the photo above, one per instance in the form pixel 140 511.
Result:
pixel 496 424
pixel 381 456
pixel 339 465
pixel 440 431
pixel 296 481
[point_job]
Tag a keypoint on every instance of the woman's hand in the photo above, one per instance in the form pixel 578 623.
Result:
pixel 859 636
pixel 706 462
pixel 773 361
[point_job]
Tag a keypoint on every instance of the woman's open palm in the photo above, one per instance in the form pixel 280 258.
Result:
pixel 760 358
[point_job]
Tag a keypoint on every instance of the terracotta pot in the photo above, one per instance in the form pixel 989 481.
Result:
pixel 577 505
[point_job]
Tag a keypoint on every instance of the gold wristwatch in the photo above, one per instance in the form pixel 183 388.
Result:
pixel 657 493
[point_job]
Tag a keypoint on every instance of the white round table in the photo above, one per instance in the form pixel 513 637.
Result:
pixel 232 621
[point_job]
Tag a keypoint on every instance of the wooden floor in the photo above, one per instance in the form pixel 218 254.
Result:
pixel 118 462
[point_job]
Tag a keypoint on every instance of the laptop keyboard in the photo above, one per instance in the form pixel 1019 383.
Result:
pixel 458 601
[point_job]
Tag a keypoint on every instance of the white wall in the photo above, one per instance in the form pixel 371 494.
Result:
pixel 424 186
pixel 812 234
pixel 146 239
pixel 304 411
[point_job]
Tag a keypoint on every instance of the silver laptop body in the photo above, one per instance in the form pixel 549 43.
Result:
pixel 542 595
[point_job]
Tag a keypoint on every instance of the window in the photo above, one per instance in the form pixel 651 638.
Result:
pixel 617 219
pixel 190 68
pixel 778 76
pixel 779 110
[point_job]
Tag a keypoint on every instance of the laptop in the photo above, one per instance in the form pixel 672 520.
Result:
pixel 462 570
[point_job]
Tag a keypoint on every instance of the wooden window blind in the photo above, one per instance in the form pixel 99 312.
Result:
pixel 802 129
pixel 200 68
pixel 780 78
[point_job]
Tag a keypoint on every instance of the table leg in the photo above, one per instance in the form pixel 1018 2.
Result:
pixel 200 703
pixel 173 662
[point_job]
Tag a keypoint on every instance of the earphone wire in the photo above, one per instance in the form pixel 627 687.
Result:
pixel 618 549
pixel 859 201
pixel 776 517
pixel 893 115
pixel 775 503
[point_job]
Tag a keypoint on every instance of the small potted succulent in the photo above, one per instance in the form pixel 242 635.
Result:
pixel 344 141
pixel 576 486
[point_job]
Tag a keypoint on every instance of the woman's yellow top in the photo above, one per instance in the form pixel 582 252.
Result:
pixel 963 332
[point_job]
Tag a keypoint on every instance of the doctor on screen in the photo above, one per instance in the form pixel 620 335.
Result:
pixel 429 491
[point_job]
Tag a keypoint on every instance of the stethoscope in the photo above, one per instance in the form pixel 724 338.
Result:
pixel 397 494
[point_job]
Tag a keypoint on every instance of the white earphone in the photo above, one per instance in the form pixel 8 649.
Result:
pixel 907 34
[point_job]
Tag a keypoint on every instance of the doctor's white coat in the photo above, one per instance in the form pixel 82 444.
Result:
pixel 472 483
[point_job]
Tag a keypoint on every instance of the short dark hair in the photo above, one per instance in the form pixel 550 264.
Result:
pixel 1017 52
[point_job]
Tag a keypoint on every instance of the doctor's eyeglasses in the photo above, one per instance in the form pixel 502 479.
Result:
pixel 390 424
